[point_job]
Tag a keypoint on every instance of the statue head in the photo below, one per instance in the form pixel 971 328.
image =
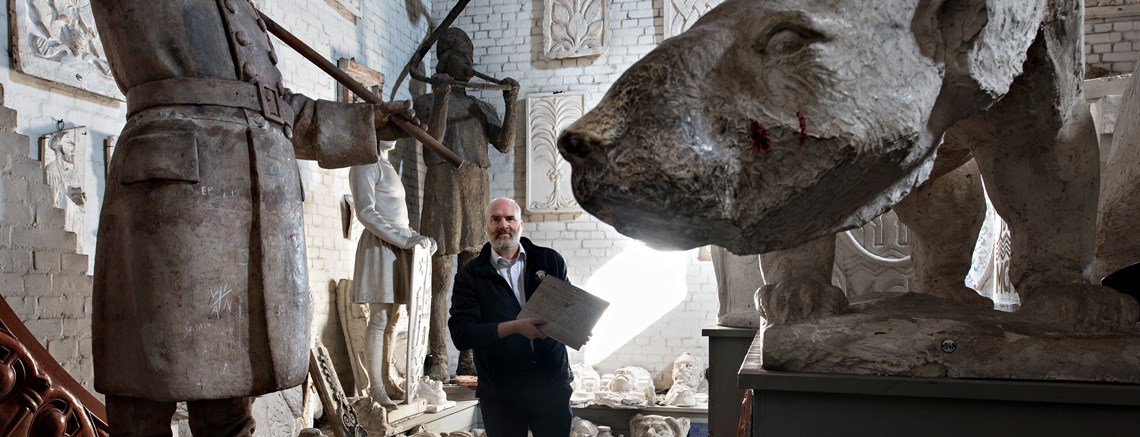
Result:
pixel 455 54
pixel 63 144
pixel 658 426
pixel 687 369
pixel 771 123
pixel 504 225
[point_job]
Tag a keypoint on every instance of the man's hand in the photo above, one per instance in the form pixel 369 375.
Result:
pixel 386 130
pixel 527 327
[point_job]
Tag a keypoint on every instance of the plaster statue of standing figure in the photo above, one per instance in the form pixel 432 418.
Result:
pixel 383 266
pixel 201 290
pixel 455 200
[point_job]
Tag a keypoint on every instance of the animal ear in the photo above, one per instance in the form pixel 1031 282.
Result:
pixel 982 43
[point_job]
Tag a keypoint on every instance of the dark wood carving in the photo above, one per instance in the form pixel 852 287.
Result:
pixel 37 396
pixel 338 409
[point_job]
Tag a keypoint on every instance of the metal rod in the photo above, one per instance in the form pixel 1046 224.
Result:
pixel 358 89
pixel 470 85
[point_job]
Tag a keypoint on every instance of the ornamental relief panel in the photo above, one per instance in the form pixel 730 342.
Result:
pixel 575 28
pixel 547 174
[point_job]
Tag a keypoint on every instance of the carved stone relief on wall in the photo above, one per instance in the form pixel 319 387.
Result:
pixel 547 174
pixel 875 257
pixel 63 154
pixel 575 28
pixel 350 7
pixel 56 40
pixel 681 14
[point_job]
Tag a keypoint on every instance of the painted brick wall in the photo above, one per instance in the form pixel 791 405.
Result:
pixel 1112 34
pixel 41 276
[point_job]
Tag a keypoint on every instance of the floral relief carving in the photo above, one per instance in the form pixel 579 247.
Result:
pixel 575 28
pixel 548 175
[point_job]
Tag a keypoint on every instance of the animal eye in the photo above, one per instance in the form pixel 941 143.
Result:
pixel 787 41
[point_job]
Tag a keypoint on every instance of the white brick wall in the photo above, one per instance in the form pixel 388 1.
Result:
pixel 1112 34
pixel 42 279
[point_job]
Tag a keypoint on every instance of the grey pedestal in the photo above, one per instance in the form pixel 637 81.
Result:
pixel 801 404
pixel 727 348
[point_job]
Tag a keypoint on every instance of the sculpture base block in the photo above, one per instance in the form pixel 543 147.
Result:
pixel 910 334
pixel 788 403
pixel 437 408
pixel 407 411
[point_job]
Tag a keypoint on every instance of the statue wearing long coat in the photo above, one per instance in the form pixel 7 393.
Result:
pixel 201 289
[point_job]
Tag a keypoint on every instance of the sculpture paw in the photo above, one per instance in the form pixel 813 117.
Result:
pixel 438 372
pixel 1080 307
pixel 799 300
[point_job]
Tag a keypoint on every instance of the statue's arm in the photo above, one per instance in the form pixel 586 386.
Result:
pixel 440 95
pixel 502 133
pixel 362 183
pixel 334 134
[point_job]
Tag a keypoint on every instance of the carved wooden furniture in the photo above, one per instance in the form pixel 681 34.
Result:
pixel 37 396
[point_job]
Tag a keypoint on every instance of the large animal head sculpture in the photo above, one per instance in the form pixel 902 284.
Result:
pixel 773 122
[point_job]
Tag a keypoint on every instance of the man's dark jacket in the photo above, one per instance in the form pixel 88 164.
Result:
pixel 481 299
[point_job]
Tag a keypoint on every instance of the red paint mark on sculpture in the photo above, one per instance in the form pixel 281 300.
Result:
pixel 803 127
pixel 759 136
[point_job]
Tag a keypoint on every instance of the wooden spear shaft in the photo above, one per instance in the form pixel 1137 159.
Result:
pixel 358 89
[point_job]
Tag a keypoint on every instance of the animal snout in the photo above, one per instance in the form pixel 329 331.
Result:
pixel 576 145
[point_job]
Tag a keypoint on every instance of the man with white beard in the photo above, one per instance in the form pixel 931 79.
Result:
pixel 524 377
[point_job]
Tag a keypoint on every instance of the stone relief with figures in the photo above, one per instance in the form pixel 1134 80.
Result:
pixel 63 154
pixel 57 40
pixel 575 28
pixel 548 174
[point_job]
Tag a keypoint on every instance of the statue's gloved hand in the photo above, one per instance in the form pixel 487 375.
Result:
pixel 513 92
pixel 386 130
pixel 423 241
pixel 441 82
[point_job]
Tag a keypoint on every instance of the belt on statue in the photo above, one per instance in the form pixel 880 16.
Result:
pixel 208 91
